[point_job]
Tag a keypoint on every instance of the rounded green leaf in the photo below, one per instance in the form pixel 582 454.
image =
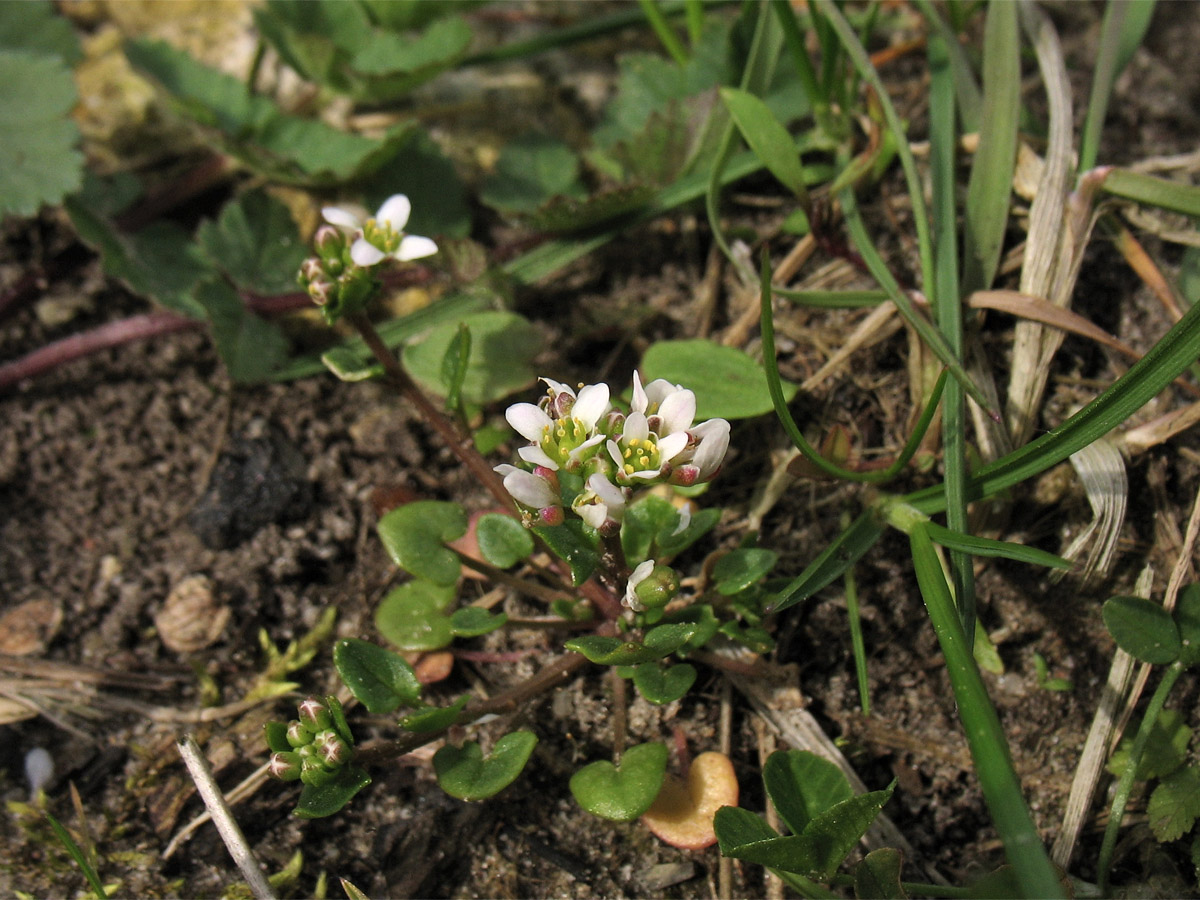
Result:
pixel 768 139
pixel 1143 629
pixel 662 685
pixel 276 735
pixel 415 534
pixel 413 616
pixel 728 384
pixel 570 542
pixel 623 793
pixel 380 679
pixel 472 621
pixel 503 345
pixel 503 540
pixel 803 785
pixel 434 718
pixel 1187 616
pixel 318 802
pixel 611 651
pixel 465 773
pixel 738 569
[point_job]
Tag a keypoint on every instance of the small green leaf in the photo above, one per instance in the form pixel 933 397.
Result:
pixel 738 569
pixel 611 651
pixel 454 365
pixel 415 534
pixel 877 877
pixel 472 621
pixel 338 714
pixel 672 542
pixel 318 802
pixel 348 365
pixel 413 615
pixel 251 347
pixel 1187 617
pixel 644 519
pixel 727 383
pixel 622 794
pixel 276 736
pixel 255 242
pixel 463 772
pixel 767 138
pixel 836 831
pixel 803 785
pixel 39 162
pixel 529 171
pixel 663 685
pixel 435 718
pixel 1165 751
pixel 1143 629
pixel 380 679
pixel 571 543
pixel 978 546
pixel 503 540
pixel 503 345
pixel 736 827
pixel 702 616
pixel 1175 804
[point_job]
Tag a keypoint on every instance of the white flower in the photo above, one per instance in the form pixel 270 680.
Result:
pixel 640 574
pixel 565 435
pixel 704 454
pixel 668 407
pixel 528 489
pixel 603 503
pixel 382 236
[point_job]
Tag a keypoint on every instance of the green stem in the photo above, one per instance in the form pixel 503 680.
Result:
pixel 662 29
pixel 1125 785
pixel 856 641
pixel 989 747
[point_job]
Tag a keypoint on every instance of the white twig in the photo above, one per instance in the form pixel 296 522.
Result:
pixel 231 832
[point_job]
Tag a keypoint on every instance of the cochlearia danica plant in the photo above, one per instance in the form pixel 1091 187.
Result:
pixel 593 515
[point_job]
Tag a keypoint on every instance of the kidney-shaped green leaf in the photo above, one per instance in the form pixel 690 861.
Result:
pixel 1143 629
pixel 415 535
pixel 413 615
pixel 662 685
pixel 503 540
pixel 728 384
pixel 465 773
pixel 622 794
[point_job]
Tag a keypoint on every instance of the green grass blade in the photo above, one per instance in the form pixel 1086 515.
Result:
pixel 1124 26
pixel 1153 191
pixel 793 39
pixel 693 17
pixel 769 140
pixel 990 186
pixel 844 551
pixel 978 546
pixel 985 735
pixel 77 854
pixel 966 87
pixel 1177 350
pixel 666 35
pixel 833 299
pixel 854 617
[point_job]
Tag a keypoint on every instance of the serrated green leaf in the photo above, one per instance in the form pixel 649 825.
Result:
pixel 727 383
pixel 738 569
pixel 434 718
pixel 662 685
pixel 1143 629
pixel 621 794
pixel 39 162
pixel 472 621
pixel 802 785
pixel 255 242
pixel 318 802
pixel 503 347
pixel 767 138
pixel 380 679
pixel 412 616
pixel 877 877
pixel 1175 804
pixel 503 540
pixel 415 535
pixel 254 129
pixel 250 346
pixel 571 544
pixel 465 773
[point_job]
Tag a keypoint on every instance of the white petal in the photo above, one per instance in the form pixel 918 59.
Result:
pixel 606 490
pixel 677 411
pixel 685 519
pixel 583 448
pixel 640 574
pixel 591 404
pixel 343 217
pixel 714 442
pixel 395 212
pixel 365 253
pixel 658 390
pixel 539 457
pixel 413 246
pixel 672 445
pixel 557 387
pixel 635 427
pixel 528 421
pixel 529 490
pixel 645 475
pixel 614 450
pixel 639 394
pixel 595 514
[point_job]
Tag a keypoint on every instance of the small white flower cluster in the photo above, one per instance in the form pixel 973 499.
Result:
pixel 380 237
pixel 654 443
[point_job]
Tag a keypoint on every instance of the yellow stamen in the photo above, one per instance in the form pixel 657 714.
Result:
pixel 629 470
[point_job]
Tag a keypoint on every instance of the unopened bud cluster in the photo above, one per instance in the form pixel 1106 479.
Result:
pixel 339 278
pixel 613 452
pixel 318 750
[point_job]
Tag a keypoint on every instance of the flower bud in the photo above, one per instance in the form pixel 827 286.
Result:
pixel 297 735
pixel 332 751
pixel 314 773
pixel 658 588
pixel 551 515
pixel 314 715
pixel 311 270
pixel 284 766
pixel 329 242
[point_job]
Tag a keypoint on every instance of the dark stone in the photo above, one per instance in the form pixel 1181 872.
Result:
pixel 259 479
